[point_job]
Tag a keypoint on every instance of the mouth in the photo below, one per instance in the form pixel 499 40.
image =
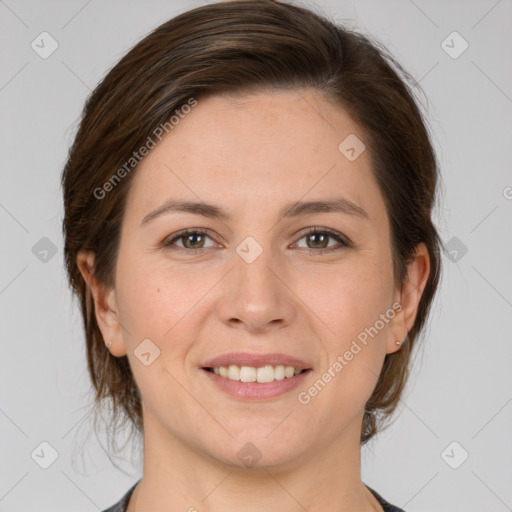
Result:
pixel 255 376
pixel 261 374
pixel 249 367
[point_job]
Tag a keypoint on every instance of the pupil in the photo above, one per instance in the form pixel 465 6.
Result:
pixel 189 237
pixel 314 235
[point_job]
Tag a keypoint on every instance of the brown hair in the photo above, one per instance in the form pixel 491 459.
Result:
pixel 238 47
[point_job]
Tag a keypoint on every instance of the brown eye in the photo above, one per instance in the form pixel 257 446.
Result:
pixel 191 240
pixel 317 240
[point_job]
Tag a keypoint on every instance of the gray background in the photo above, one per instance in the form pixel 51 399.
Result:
pixel 460 389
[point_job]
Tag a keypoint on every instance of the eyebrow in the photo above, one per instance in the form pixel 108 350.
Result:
pixel 294 209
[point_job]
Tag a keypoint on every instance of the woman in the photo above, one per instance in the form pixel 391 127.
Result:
pixel 248 228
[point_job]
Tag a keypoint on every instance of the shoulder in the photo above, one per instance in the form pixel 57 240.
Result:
pixel 388 507
pixel 122 504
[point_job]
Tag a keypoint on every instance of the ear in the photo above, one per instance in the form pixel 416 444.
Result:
pixel 409 297
pixel 105 305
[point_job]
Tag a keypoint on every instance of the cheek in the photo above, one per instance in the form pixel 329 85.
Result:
pixel 154 304
pixel 350 306
pixel 154 294
pixel 350 299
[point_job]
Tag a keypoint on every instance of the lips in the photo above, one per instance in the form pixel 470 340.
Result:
pixel 255 360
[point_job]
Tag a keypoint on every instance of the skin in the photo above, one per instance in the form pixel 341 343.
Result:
pixel 250 156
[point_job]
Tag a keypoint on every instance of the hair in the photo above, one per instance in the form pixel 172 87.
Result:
pixel 239 47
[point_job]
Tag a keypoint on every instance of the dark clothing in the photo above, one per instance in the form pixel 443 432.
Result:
pixel 121 505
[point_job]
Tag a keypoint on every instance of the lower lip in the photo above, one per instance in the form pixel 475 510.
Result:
pixel 256 390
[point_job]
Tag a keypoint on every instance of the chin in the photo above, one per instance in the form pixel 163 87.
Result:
pixel 257 453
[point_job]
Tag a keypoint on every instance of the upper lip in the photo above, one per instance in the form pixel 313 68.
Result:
pixel 256 360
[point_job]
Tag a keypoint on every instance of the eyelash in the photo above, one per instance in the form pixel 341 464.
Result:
pixel 168 243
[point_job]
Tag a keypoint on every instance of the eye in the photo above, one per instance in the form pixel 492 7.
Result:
pixel 317 240
pixel 192 239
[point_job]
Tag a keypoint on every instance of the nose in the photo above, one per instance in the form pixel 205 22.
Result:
pixel 256 296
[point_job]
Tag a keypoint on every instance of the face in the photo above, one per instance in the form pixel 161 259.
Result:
pixel 250 284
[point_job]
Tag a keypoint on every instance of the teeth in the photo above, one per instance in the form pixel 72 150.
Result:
pixel 247 374
pixel 233 372
pixel 251 374
pixel 279 372
pixel 265 374
pixel 289 371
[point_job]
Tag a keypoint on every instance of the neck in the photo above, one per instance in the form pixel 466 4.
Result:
pixel 327 478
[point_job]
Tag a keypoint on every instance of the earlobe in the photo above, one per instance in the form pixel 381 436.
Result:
pixel 105 307
pixel 409 297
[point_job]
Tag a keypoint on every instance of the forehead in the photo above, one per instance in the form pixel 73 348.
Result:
pixel 259 149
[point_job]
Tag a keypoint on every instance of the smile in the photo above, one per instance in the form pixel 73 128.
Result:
pixel 262 374
pixel 253 376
